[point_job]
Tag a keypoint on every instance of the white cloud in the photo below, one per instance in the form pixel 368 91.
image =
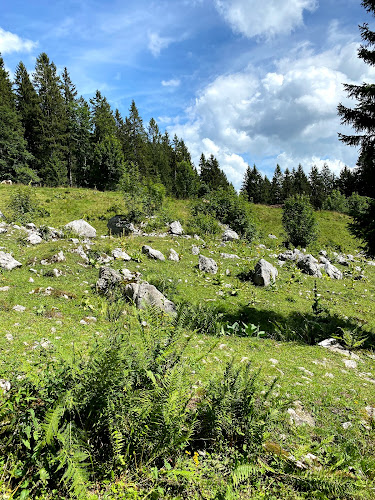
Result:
pixel 286 116
pixel 10 42
pixel 157 43
pixel 258 17
pixel 171 83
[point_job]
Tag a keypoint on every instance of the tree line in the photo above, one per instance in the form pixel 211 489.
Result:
pixel 50 136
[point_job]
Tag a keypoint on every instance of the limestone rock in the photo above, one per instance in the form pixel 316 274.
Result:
pixel 300 417
pixel 119 225
pixel 207 265
pixel 332 271
pixel 82 228
pixel 173 255
pixel 33 238
pixel 176 228
pixel 108 280
pixel 230 235
pixel 195 250
pixel 229 256
pixel 264 272
pixel 152 253
pixel 143 294
pixel 117 253
pixel 8 262
pixel 309 265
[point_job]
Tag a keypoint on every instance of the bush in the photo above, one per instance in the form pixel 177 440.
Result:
pixel 363 227
pixel 22 207
pixel 203 224
pixel 336 202
pixel 299 221
pixel 229 208
pixel 357 204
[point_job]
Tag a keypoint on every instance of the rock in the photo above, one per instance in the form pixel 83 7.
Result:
pixel 323 253
pixel 82 228
pixel 230 235
pixel 2 216
pixel 370 410
pixel 264 272
pixel 272 236
pixel 104 259
pixel 309 265
pixel 108 280
pixel 294 255
pixel 58 257
pixel 229 256
pixel 207 265
pixel 117 253
pixel 350 363
pixel 3 230
pixel 19 308
pixel 128 275
pixel 4 288
pixel 195 250
pixel 144 294
pixel 342 261
pixel 332 271
pixel 119 225
pixel 300 417
pixel 81 253
pixel 176 228
pixel 151 253
pixel 5 385
pixel 33 238
pixel 323 260
pixel 8 262
pixel 56 272
pixel 173 255
pixel 346 425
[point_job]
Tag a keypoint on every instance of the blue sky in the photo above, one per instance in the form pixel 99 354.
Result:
pixel 250 81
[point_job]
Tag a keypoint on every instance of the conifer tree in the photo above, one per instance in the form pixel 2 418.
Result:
pixel 84 152
pixel 135 147
pixel 14 157
pixel 211 174
pixel 69 94
pixel 300 181
pixel 51 155
pixel 287 185
pixel 276 192
pixel 252 185
pixel 362 119
pixel 317 188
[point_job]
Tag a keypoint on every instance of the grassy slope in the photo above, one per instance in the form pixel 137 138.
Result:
pixel 331 392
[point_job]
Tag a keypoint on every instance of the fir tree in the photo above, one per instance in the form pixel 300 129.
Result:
pixel 276 192
pixel 252 185
pixel 317 188
pixel 300 181
pixel 69 94
pixel 14 157
pixel 287 185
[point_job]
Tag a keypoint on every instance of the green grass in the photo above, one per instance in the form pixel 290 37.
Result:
pixel 329 391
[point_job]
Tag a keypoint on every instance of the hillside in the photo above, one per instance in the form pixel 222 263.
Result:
pixel 181 422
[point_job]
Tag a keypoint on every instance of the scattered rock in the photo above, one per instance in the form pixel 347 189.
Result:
pixel 350 363
pixel 117 253
pixel 56 272
pixel 173 255
pixel 58 257
pixel 264 272
pixel 290 255
pixel 195 250
pixel 108 280
pixel 151 253
pixel 33 238
pixel 332 271
pixel 19 308
pixel 341 260
pixel 4 288
pixel 8 262
pixel 81 253
pixel 143 294
pixel 230 235
pixel 176 228
pixel 229 256
pixel 82 228
pixel 5 385
pixel 119 225
pixel 207 265
pixel 272 237
pixel 309 265
pixel 300 417
pixel 370 410
pixel 347 425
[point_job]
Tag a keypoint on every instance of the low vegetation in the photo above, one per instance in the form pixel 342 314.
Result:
pixel 103 400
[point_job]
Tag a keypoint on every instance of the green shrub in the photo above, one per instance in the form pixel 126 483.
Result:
pixel 22 206
pixel 357 204
pixel 363 227
pixel 299 221
pixel 336 202
pixel 203 225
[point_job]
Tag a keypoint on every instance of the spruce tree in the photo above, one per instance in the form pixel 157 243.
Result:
pixel 287 184
pixel 276 194
pixel 69 94
pixel 362 119
pixel 300 181
pixel 14 156
pixel 317 188
pixel 51 154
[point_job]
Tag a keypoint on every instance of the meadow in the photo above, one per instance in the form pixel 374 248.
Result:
pixel 231 398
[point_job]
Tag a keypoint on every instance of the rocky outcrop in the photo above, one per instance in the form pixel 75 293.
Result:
pixel 309 265
pixel 173 255
pixel 230 235
pixel 207 265
pixel 143 295
pixel 81 228
pixel 176 228
pixel 108 280
pixel 264 273
pixel 8 262
pixel 152 253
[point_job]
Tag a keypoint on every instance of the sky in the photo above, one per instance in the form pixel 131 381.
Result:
pixel 249 81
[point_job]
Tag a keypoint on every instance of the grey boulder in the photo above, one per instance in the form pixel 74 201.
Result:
pixel 152 253
pixel 8 262
pixel 207 265
pixel 230 235
pixel 309 265
pixel 264 272
pixel 82 228
pixel 117 253
pixel 143 295
pixel 108 280
pixel 332 271
pixel 229 256
pixel 173 255
pixel 176 228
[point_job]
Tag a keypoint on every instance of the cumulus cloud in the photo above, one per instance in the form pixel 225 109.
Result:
pixel 256 17
pixel 10 42
pixel 157 43
pixel 286 116
pixel 171 83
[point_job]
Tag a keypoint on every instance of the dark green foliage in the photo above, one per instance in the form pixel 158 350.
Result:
pixel 336 202
pixel 363 227
pixel 22 206
pixel 276 191
pixel 252 187
pixel 228 208
pixel 299 221
pixel 211 175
